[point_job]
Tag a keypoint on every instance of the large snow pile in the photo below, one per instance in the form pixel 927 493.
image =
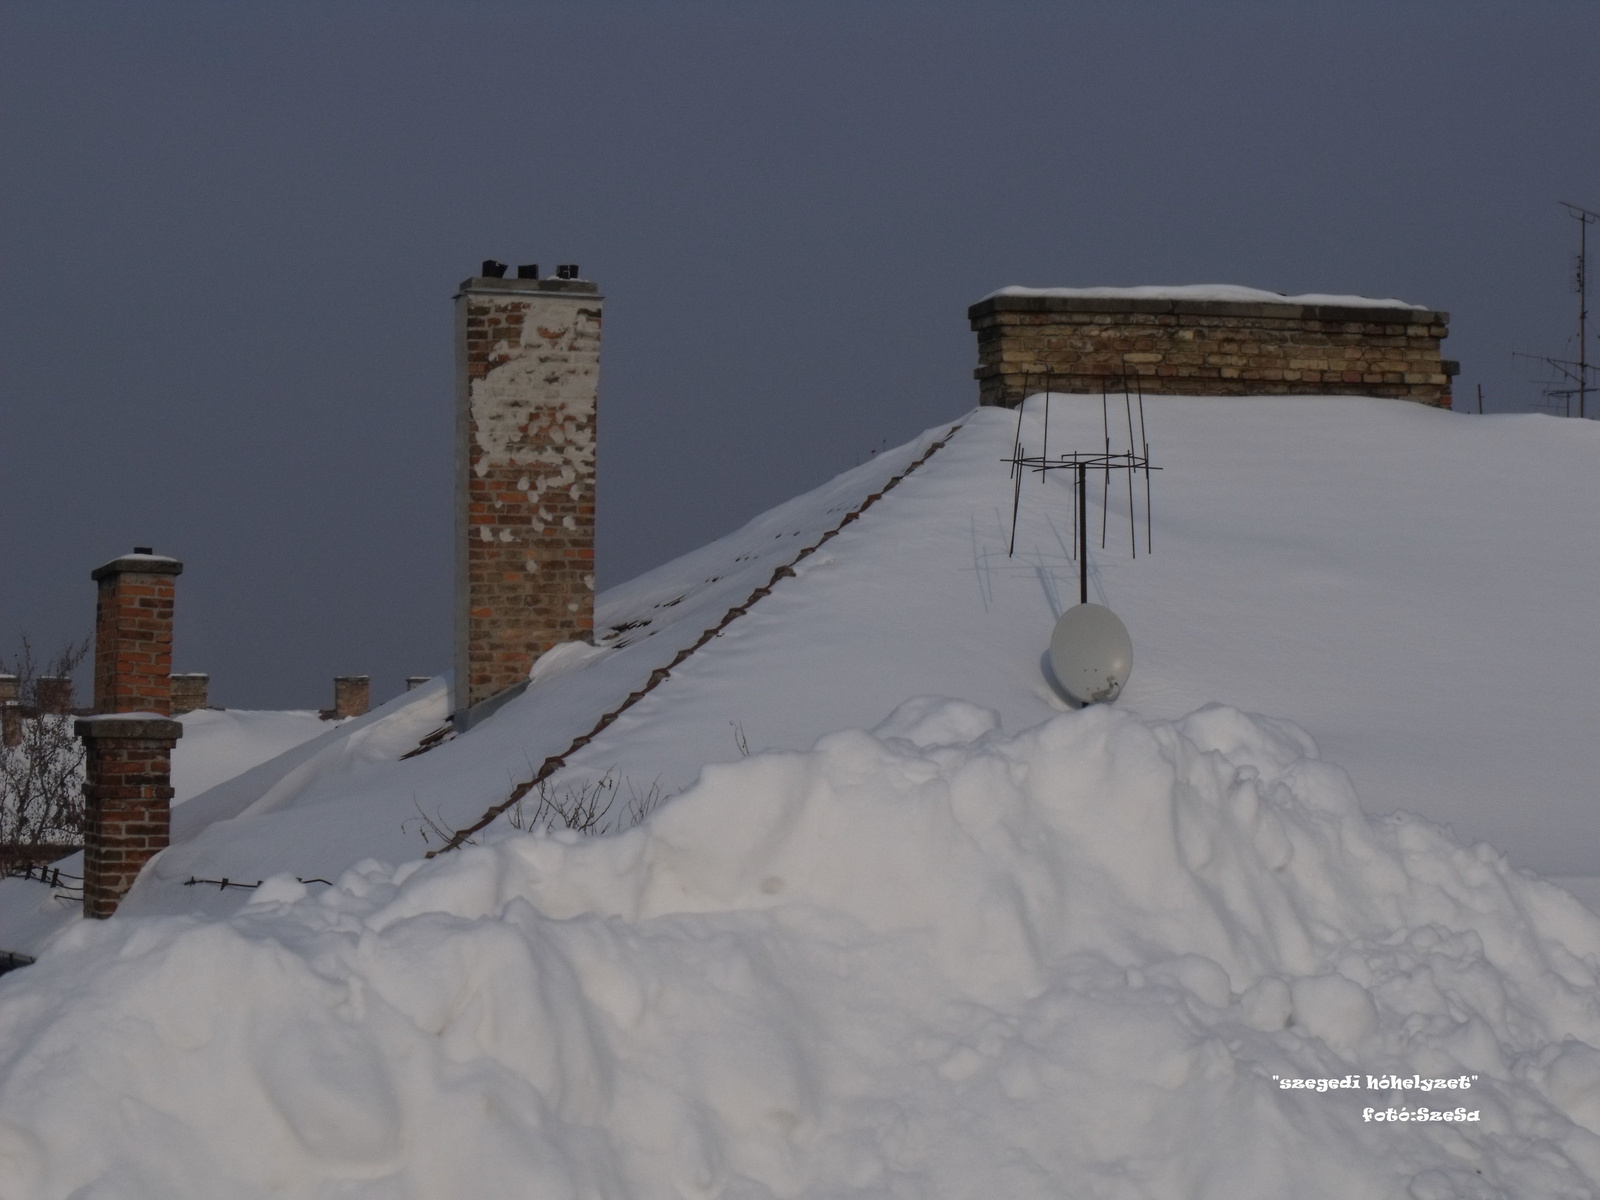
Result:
pixel 935 960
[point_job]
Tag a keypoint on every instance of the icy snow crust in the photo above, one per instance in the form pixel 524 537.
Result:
pixel 929 961
pixel 1230 292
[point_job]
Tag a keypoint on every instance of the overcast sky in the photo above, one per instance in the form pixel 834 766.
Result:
pixel 229 236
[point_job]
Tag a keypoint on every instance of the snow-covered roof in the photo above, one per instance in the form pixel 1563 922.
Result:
pixel 1320 559
pixel 1225 292
pixel 904 916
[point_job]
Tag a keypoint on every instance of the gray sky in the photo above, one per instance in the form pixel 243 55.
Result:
pixel 229 235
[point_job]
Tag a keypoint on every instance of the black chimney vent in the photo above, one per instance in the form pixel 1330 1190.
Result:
pixel 493 270
pixel 528 271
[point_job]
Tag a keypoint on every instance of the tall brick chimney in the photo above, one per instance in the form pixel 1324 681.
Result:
pixel 527 376
pixel 133 633
pixel 127 787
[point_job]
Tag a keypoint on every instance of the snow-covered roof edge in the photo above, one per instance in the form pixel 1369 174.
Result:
pixel 1230 293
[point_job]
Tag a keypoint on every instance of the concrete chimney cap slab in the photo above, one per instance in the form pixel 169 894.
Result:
pixel 138 564
pixel 133 725
pixel 485 284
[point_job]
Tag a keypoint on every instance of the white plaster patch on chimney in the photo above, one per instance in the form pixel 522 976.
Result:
pixel 530 565
pixel 522 484
pixel 588 582
pixel 485 534
pixel 569 522
pixel 505 535
pixel 566 388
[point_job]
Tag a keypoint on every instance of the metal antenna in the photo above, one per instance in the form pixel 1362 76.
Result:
pixel 1584 217
pixel 1146 443
pixel 1046 450
pixel 1105 478
pixel 1083 532
pixel 1022 403
pixel 1130 461
pixel 1133 529
pixel 1572 376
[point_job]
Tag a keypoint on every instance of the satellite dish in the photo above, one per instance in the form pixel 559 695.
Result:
pixel 1091 653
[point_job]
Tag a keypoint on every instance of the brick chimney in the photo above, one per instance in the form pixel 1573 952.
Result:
pixel 190 691
pixel 527 375
pixel 127 785
pixel 53 693
pixel 10 711
pixel 133 633
pixel 352 695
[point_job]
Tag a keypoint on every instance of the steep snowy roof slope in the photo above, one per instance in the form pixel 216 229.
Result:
pixel 1405 583
pixel 222 743
pixel 263 823
pixel 936 958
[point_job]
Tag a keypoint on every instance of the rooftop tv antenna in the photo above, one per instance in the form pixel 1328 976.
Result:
pixel 1572 376
pixel 1090 651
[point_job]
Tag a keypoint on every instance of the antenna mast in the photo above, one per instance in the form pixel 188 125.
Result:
pixel 1583 217
pixel 1572 377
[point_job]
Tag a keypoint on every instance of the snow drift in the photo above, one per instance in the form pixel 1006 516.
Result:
pixel 932 960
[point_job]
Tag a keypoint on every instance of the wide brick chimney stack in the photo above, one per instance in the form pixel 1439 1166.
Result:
pixel 127 785
pixel 527 376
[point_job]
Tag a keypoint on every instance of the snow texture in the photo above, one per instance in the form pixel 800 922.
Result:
pixel 932 961
pixel 939 935
pixel 1230 292
pixel 219 744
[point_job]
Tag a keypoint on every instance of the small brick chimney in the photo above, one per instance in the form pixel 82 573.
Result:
pixel 10 711
pixel 127 785
pixel 53 693
pixel 527 376
pixel 190 692
pixel 352 695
